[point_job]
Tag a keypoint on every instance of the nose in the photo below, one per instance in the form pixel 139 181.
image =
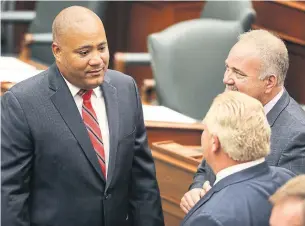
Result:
pixel 227 79
pixel 96 59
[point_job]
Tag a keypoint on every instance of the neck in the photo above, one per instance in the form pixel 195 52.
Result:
pixel 269 96
pixel 223 161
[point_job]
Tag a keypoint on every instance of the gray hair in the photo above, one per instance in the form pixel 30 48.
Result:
pixel 272 52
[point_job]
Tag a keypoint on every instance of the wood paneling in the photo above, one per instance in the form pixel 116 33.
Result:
pixel 172 213
pixel 175 168
pixel 281 17
pixel 183 133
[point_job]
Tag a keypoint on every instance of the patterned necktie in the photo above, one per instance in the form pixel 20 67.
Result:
pixel 93 127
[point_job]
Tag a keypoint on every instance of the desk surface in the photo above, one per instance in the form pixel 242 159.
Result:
pixel 14 70
pixel 166 124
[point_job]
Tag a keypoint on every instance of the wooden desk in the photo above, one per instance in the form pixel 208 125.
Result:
pixel 163 123
pixel 182 133
pixel 175 168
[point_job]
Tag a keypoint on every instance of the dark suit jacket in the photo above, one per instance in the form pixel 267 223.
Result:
pixel 50 172
pixel 240 199
pixel 287 122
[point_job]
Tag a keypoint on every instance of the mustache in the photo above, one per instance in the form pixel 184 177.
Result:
pixel 231 87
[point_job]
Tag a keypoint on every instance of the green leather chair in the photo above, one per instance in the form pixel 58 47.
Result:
pixel 188 63
pixel 230 10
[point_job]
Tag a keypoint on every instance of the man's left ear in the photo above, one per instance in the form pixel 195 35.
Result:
pixel 270 82
pixel 215 144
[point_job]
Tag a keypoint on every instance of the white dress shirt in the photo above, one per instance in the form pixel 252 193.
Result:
pixel 272 102
pixel 236 168
pixel 98 104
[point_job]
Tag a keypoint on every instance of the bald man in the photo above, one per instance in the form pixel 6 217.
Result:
pixel 74 146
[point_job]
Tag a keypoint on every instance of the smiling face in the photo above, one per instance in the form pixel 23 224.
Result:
pixel 81 51
pixel 243 71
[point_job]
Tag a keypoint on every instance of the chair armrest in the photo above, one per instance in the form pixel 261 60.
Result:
pixel 41 38
pixel 18 16
pixel 121 60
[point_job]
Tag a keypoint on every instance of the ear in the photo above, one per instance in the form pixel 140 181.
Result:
pixel 270 82
pixel 56 51
pixel 215 144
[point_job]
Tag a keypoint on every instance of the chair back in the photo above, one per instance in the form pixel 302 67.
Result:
pixel 188 63
pixel 230 10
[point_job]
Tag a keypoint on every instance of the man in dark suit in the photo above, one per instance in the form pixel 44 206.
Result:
pixel 235 142
pixel 74 145
pixel 257 65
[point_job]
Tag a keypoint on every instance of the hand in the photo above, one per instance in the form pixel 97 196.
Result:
pixel 206 186
pixel 191 198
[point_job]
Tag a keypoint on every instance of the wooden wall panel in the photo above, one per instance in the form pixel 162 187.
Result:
pixel 281 17
pixel 173 215
pixel 175 168
pixel 170 219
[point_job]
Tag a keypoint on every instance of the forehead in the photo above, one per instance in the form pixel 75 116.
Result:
pixel 85 32
pixel 242 56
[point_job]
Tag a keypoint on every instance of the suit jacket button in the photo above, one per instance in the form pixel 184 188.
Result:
pixel 107 196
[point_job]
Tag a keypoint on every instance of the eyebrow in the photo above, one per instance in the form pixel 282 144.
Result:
pixel 235 69
pixel 241 72
pixel 90 46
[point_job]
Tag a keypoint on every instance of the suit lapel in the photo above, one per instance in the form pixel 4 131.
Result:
pixel 278 108
pixel 65 104
pixel 232 179
pixel 112 109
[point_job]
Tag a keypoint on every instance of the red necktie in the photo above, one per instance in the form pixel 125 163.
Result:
pixel 93 127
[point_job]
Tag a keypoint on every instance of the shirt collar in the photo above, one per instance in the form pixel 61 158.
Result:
pixel 272 102
pixel 74 89
pixel 236 168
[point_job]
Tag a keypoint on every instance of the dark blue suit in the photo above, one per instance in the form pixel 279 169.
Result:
pixel 240 199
